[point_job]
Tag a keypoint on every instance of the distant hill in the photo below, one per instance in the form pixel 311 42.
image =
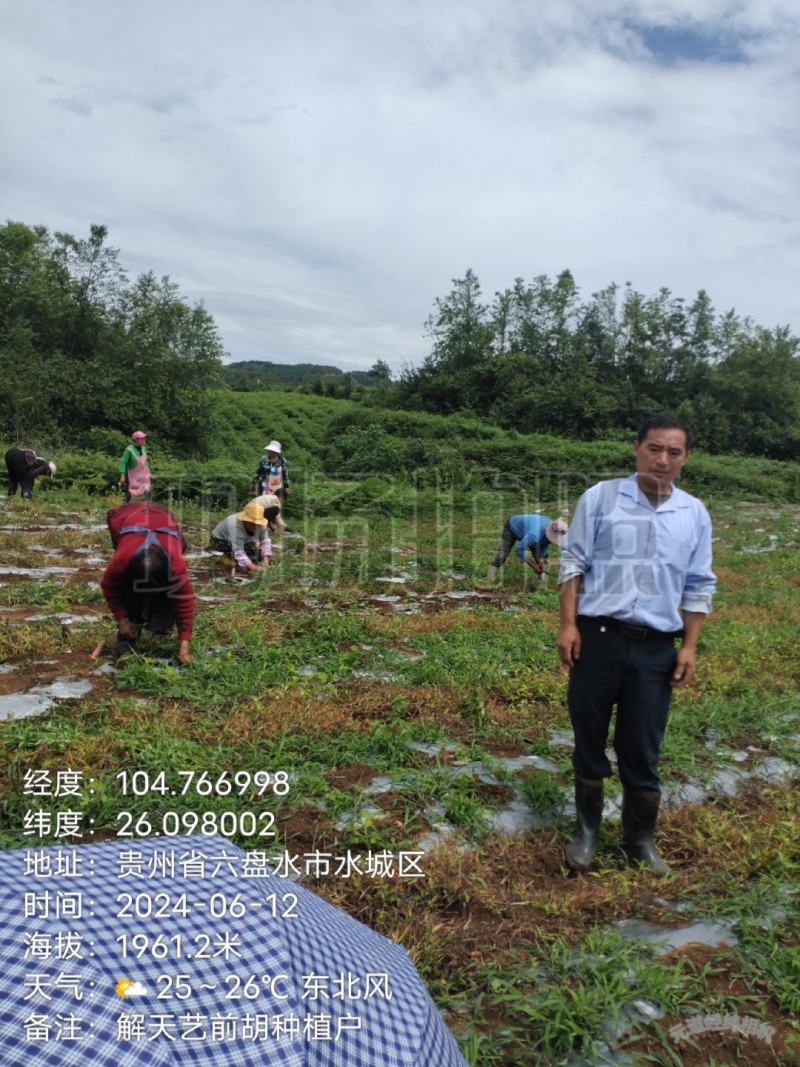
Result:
pixel 254 374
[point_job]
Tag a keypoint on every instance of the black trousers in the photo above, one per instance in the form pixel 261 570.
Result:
pixel 25 485
pixel 634 675
pixel 507 541
pixel 154 610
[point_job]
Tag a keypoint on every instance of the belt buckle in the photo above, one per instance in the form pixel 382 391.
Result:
pixel 637 633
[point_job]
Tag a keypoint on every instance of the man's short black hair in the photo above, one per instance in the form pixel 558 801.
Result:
pixel 664 422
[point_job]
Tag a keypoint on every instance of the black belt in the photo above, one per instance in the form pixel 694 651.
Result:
pixel 633 631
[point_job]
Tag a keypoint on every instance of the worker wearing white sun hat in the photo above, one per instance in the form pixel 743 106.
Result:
pixel 271 474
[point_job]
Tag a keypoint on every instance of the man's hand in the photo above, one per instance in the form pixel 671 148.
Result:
pixel 184 655
pixel 569 645
pixel 535 565
pixel 684 666
pixel 254 568
pixel 125 629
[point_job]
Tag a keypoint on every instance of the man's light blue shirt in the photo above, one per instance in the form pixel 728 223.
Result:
pixel 639 564
pixel 530 529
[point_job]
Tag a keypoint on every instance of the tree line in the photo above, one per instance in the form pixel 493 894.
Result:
pixel 538 358
pixel 87 354
pixel 322 380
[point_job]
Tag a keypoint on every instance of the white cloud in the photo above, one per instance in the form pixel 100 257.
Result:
pixel 135 990
pixel 317 172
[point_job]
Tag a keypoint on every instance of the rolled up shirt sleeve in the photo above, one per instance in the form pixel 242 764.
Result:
pixel 576 555
pixel 701 581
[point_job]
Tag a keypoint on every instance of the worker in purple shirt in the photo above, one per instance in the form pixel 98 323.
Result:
pixel 243 539
pixel 635 576
pixel 530 533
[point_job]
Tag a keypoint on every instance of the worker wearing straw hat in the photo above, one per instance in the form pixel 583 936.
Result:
pixel 242 539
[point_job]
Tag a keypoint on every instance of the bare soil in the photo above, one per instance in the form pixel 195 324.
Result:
pixel 351 776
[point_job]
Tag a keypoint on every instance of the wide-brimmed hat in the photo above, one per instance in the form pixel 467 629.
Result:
pixel 267 501
pixel 138 435
pixel 556 532
pixel 273 446
pixel 252 513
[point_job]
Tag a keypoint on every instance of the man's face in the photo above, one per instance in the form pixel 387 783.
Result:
pixel 660 457
pixel 272 457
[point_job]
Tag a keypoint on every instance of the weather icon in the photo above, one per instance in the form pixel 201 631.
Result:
pixel 126 988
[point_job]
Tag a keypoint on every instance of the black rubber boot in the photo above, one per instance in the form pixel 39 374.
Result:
pixel 124 647
pixel 639 815
pixel 589 809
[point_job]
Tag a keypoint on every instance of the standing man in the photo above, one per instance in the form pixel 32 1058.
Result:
pixel 24 466
pixel 134 472
pixel 271 474
pixel 635 575
pixel 534 533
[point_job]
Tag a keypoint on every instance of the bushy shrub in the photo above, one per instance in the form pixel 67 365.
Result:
pixel 104 439
pixel 343 457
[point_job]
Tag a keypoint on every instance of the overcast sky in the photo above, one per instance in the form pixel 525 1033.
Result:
pixel 317 171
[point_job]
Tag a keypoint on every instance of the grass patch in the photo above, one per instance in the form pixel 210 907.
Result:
pixel 303 671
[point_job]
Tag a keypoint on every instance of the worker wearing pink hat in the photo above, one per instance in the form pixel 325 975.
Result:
pixel 134 471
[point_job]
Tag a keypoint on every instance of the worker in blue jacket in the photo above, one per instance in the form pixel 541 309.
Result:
pixel 530 533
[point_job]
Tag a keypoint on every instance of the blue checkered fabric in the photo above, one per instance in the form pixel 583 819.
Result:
pixel 405 1030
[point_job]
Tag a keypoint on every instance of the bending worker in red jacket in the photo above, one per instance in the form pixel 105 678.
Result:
pixel 147 582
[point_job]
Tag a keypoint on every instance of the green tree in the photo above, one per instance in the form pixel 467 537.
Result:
pixel 174 357
pixel 80 347
pixel 458 374
pixel 458 326
pixel 381 371
pixel 758 386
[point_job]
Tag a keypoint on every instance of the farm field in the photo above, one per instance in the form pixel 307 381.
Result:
pixel 415 708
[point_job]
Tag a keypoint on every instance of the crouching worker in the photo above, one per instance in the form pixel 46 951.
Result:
pixel 147 582
pixel 24 466
pixel 243 539
pixel 273 512
pixel 530 533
